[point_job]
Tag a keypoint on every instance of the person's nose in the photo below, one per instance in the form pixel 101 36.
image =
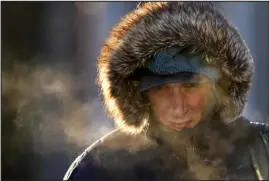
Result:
pixel 178 100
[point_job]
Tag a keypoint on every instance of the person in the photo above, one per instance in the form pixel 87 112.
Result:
pixel 175 77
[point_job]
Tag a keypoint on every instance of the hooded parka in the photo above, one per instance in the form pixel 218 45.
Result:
pixel 224 150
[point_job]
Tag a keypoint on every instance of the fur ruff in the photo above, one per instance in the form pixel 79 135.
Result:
pixel 153 26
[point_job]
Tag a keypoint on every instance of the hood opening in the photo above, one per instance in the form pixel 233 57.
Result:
pixel 154 26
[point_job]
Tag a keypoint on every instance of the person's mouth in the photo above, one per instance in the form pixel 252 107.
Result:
pixel 179 125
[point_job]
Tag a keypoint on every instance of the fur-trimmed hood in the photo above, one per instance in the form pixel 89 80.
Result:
pixel 157 25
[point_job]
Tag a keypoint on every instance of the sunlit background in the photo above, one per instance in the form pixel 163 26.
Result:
pixel 51 109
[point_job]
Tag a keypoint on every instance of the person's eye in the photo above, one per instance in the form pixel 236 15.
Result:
pixel 191 85
pixel 159 88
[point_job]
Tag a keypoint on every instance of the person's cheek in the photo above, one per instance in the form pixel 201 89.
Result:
pixel 160 108
pixel 164 111
pixel 196 103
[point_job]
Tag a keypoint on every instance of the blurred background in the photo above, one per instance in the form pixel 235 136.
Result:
pixel 51 110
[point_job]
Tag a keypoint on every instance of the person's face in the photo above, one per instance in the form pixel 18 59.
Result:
pixel 181 105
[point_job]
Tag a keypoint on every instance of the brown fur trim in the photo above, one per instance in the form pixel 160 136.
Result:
pixel 155 26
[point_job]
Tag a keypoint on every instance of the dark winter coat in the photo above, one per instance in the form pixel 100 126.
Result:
pixel 119 156
pixel 138 150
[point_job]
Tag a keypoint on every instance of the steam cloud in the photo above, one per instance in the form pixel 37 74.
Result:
pixel 45 104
